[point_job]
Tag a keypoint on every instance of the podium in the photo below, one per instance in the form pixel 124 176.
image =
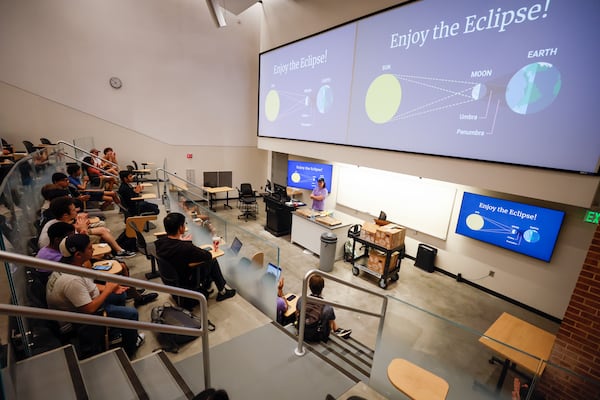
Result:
pixel 279 216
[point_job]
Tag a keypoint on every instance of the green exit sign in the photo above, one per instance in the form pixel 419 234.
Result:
pixel 592 217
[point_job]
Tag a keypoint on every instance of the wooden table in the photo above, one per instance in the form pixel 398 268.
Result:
pixel 212 193
pixel 415 382
pixel 291 305
pixel 144 196
pixel 115 266
pixel 215 254
pixel 535 345
pixel 100 250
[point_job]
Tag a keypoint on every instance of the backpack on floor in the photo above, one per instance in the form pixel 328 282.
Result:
pixel 177 316
pixel 127 243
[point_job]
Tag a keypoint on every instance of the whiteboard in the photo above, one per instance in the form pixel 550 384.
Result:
pixel 420 204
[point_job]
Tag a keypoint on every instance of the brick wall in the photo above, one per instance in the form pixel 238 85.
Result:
pixel 577 345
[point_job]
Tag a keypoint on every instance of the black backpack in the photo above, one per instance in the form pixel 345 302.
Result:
pixel 314 328
pixel 177 316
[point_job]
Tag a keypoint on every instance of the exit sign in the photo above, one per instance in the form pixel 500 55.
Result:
pixel 592 217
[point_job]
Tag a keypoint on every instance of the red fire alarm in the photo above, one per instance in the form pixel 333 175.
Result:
pixel 189 155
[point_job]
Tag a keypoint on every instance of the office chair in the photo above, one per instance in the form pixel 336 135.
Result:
pixel 169 277
pixel 30 147
pixel 247 199
pixel 147 249
pixel 139 173
pixel 46 141
pixel 7 146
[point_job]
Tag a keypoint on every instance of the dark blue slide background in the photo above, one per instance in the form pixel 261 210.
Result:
pixel 515 226
pixel 308 173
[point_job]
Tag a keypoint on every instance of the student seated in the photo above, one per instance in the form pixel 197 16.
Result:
pixel 324 312
pixel 128 193
pixel 78 184
pixel 194 266
pixel 76 293
pixel 98 177
pixel 63 209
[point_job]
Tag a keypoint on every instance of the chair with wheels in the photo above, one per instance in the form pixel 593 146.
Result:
pixel 248 203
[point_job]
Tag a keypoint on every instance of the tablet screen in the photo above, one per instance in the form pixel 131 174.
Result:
pixel 274 270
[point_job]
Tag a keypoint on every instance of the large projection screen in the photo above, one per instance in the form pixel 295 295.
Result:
pixel 509 82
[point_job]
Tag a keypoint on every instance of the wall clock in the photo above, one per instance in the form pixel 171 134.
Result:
pixel 115 83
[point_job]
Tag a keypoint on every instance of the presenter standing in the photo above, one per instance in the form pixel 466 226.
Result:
pixel 319 194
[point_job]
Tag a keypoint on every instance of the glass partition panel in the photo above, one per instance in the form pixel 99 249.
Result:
pixel 436 349
pixel 20 204
pixel 245 267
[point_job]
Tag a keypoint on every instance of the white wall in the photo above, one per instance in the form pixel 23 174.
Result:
pixel 184 80
pixel 188 86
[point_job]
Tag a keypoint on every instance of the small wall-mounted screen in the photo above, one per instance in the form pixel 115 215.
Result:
pixel 519 227
pixel 304 175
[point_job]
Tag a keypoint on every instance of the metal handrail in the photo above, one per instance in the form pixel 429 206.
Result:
pixel 166 180
pixel 35 312
pixel 299 351
pixel 71 145
pixel 63 154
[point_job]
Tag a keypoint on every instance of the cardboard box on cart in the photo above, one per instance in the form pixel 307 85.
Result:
pixel 368 231
pixel 376 261
pixel 390 236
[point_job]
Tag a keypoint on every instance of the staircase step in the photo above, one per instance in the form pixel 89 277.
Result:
pixel 160 378
pixel 110 376
pixel 55 374
pixel 348 355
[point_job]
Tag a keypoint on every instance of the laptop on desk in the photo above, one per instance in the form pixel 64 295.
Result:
pixel 235 247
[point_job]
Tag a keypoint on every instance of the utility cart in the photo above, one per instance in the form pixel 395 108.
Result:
pixel 385 263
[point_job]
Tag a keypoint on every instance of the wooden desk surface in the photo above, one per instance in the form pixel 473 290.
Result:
pixel 215 254
pixel 416 382
pixel 115 266
pixel 219 189
pixel 100 250
pixel 291 305
pixel 523 336
pixel 144 196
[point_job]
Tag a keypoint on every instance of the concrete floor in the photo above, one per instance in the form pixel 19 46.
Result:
pixel 434 292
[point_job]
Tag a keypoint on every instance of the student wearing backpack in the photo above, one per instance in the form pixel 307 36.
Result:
pixel 320 318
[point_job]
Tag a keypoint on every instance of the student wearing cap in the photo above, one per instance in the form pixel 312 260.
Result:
pixel 101 164
pixel 80 294
pixel 98 176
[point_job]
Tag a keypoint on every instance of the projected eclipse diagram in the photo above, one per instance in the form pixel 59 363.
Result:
pixel 477 222
pixel 282 104
pixel 531 89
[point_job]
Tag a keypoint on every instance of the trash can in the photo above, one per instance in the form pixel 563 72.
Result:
pixel 327 257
